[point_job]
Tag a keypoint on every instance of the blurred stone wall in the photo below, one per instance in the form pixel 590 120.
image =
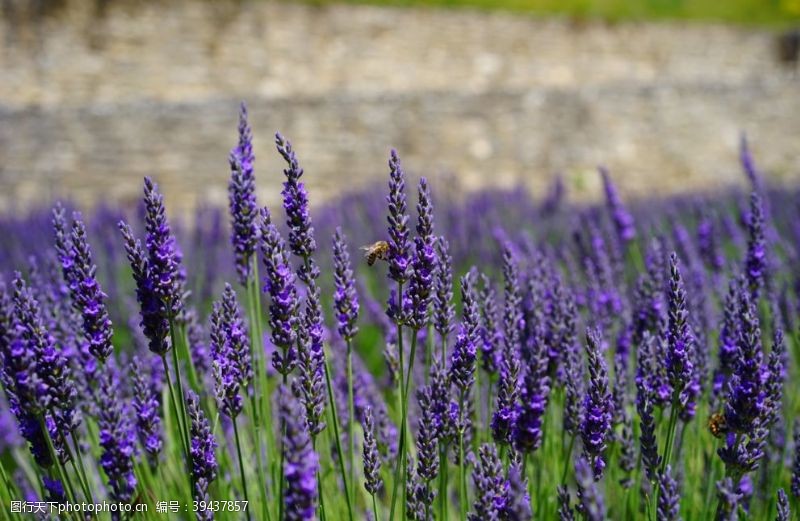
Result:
pixel 94 95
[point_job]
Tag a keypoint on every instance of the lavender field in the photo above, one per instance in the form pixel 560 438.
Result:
pixel 403 352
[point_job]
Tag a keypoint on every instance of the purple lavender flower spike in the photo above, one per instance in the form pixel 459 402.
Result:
pixel 372 463
pixel 748 164
pixel 145 405
pixel 776 376
pixel 295 202
pixel 88 298
pixel 300 464
pixel 623 220
pixel 597 412
pixel 462 362
pixel 784 512
pixel 565 511
pixel 443 309
pixel 55 390
pixel 728 501
pixel 63 245
pixel 164 258
pixel 746 394
pixel 116 437
pixel 647 423
pixel 490 493
pixel 227 377
pixel 237 336
pixel 419 497
pixel 345 298
pixel 399 244
pixel 680 343
pixel 668 497
pixel 756 261
pixel 534 395
pixel 504 416
pixel 517 501
pixel 427 437
pixel 311 359
pixel 590 499
pixel 203 447
pixel 491 338
pixel 22 384
pixel 242 200
pixel 154 319
pixel 424 260
pixel 281 288
pixel 728 339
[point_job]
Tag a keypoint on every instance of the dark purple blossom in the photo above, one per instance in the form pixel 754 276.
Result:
pixel 283 296
pixel 300 463
pixel 756 260
pixel 424 260
pixel 517 501
pixel 345 298
pixel 202 448
pixel 728 338
pixel 680 344
pixel 242 200
pixel 490 493
pixel 591 503
pixel 728 501
pixel 147 408
pixel 164 257
pixel 784 512
pixel 154 318
pixel 644 406
pixel 399 244
pixel 491 337
pixel 533 396
pixel 372 463
pixel 668 497
pixel 796 459
pixel 597 408
pixel 443 310
pixel 227 378
pixel 565 511
pixel 623 220
pixel 462 362
pixel 428 435
pixel 117 437
pixel 311 360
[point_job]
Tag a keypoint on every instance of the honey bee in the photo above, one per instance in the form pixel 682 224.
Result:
pixel 376 251
pixel 717 425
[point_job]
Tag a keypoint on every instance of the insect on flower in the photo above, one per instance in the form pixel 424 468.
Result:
pixel 717 425
pixel 376 251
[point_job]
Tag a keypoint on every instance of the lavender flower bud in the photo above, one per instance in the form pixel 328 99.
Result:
pixel 372 463
pixel 534 394
pixel 784 513
pixel 462 362
pixel 116 438
pixel 154 320
pixel 427 436
pixel 145 405
pixel 491 348
pixel 565 512
pixel 345 298
pixel 424 261
pixel 443 309
pixel 242 200
pixel 680 341
pixel 590 499
pixel 597 406
pixel 728 338
pixel 728 501
pixel 490 491
pixel 311 358
pixel 227 380
pixel 281 288
pixel 398 222
pixel 300 463
pixel 756 261
pixel 517 501
pixel 644 406
pixel 202 444
pixel 668 497
pixel 164 258
pixel 623 221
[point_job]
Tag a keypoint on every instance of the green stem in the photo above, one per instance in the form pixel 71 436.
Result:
pixel 179 420
pixel 257 355
pixel 567 460
pixel 673 420
pixel 399 467
pixel 84 486
pixel 462 464
pixel 241 462
pixel 339 451
pixel 375 508
pixel 443 481
pixel 351 417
